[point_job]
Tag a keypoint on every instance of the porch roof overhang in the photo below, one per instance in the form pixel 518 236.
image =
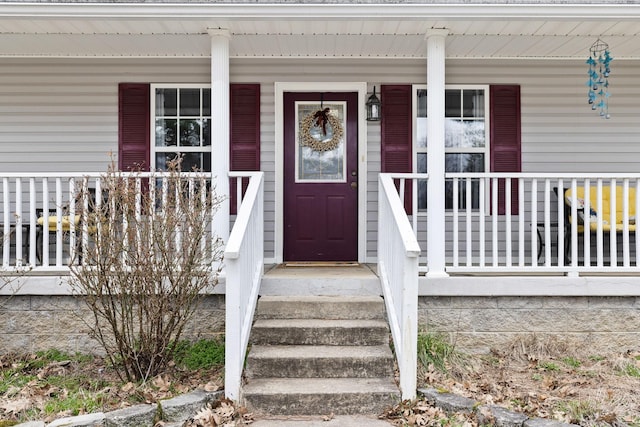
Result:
pixel 312 30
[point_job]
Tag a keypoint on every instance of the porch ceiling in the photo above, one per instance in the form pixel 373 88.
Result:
pixel 371 32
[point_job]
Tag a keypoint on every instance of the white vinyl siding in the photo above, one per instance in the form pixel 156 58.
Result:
pixel 62 114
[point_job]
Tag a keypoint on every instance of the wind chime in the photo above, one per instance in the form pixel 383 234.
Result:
pixel 599 69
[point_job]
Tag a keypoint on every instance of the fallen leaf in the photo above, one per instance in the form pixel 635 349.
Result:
pixel 328 417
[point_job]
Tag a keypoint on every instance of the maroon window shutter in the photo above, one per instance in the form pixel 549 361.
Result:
pixel 133 126
pixel 396 134
pixel 244 148
pixel 505 138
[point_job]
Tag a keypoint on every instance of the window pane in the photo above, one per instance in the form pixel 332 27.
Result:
pixel 464 162
pixel 422 184
pixel 190 102
pixel 190 161
pixel 206 102
pixel 422 102
pixel 473 103
pixel 473 133
pixel 206 132
pixel 321 165
pixel 166 132
pixel 421 132
pixel 453 130
pixel 166 102
pixel 190 133
pixel 452 107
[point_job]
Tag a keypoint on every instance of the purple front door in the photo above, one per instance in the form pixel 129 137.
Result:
pixel 320 176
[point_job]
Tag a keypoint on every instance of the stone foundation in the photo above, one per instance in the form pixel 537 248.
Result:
pixel 478 324
pixel 31 323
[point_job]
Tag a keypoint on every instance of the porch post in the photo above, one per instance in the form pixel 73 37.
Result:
pixel 435 152
pixel 220 126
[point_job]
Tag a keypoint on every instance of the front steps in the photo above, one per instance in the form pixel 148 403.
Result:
pixel 320 355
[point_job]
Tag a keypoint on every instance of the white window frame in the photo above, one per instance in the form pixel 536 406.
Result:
pixel 486 150
pixel 173 149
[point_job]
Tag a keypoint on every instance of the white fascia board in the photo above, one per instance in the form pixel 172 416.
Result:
pixel 262 11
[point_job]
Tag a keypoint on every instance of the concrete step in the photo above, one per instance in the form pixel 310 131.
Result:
pixel 297 361
pixel 312 396
pixel 315 280
pixel 320 307
pixel 320 332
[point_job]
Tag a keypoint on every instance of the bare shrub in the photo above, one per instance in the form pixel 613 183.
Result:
pixel 146 254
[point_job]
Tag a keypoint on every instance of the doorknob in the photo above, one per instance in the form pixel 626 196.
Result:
pixel 354 184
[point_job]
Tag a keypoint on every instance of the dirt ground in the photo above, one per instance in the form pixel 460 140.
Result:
pixel 540 378
pixel 549 379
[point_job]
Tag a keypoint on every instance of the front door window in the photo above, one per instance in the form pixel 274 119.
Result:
pixel 321 150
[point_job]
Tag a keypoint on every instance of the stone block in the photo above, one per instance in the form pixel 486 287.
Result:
pixel 571 303
pixel 540 422
pixel 31 424
pixel 447 401
pixel 434 302
pixel 500 417
pixel 520 302
pixel 184 406
pixel 612 302
pixel 56 302
pixel 133 416
pixel 88 420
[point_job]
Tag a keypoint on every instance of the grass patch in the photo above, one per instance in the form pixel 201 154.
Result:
pixel 436 350
pixel 548 366
pixel 52 384
pixel 631 370
pixel 572 362
pixel 203 354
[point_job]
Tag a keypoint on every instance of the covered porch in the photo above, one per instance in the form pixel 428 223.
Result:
pixel 485 233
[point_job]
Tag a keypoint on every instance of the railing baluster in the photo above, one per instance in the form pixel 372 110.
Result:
pixel 599 236
pixel 18 222
pixel 613 244
pixel 547 223
pixel 468 223
pixel 494 221
pixel 481 221
pixel 6 223
pixel 521 259
pixel 534 222
pixel 456 235
pixel 625 222
pixel 507 218
pixel 586 232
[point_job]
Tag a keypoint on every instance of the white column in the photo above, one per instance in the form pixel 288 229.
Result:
pixel 220 126
pixel 435 152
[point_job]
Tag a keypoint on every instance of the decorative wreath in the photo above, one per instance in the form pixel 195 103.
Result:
pixel 319 120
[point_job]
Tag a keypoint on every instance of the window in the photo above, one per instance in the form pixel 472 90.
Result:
pixel 181 118
pixel 466 138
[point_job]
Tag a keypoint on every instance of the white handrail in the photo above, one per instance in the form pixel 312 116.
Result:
pixel 398 252
pixel 244 261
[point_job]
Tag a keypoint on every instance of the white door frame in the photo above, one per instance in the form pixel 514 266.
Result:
pixel 280 89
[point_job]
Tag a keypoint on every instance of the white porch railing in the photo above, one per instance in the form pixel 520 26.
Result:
pixel 523 222
pixel 243 259
pixel 398 252
pixel 40 216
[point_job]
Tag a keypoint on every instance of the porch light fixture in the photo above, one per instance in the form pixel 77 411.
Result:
pixel 599 69
pixel 373 107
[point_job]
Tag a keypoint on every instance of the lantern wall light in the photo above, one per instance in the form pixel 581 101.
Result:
pixel 373 107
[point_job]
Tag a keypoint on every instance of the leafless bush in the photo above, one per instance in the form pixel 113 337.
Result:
pixel 146 254
pixel 11 279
